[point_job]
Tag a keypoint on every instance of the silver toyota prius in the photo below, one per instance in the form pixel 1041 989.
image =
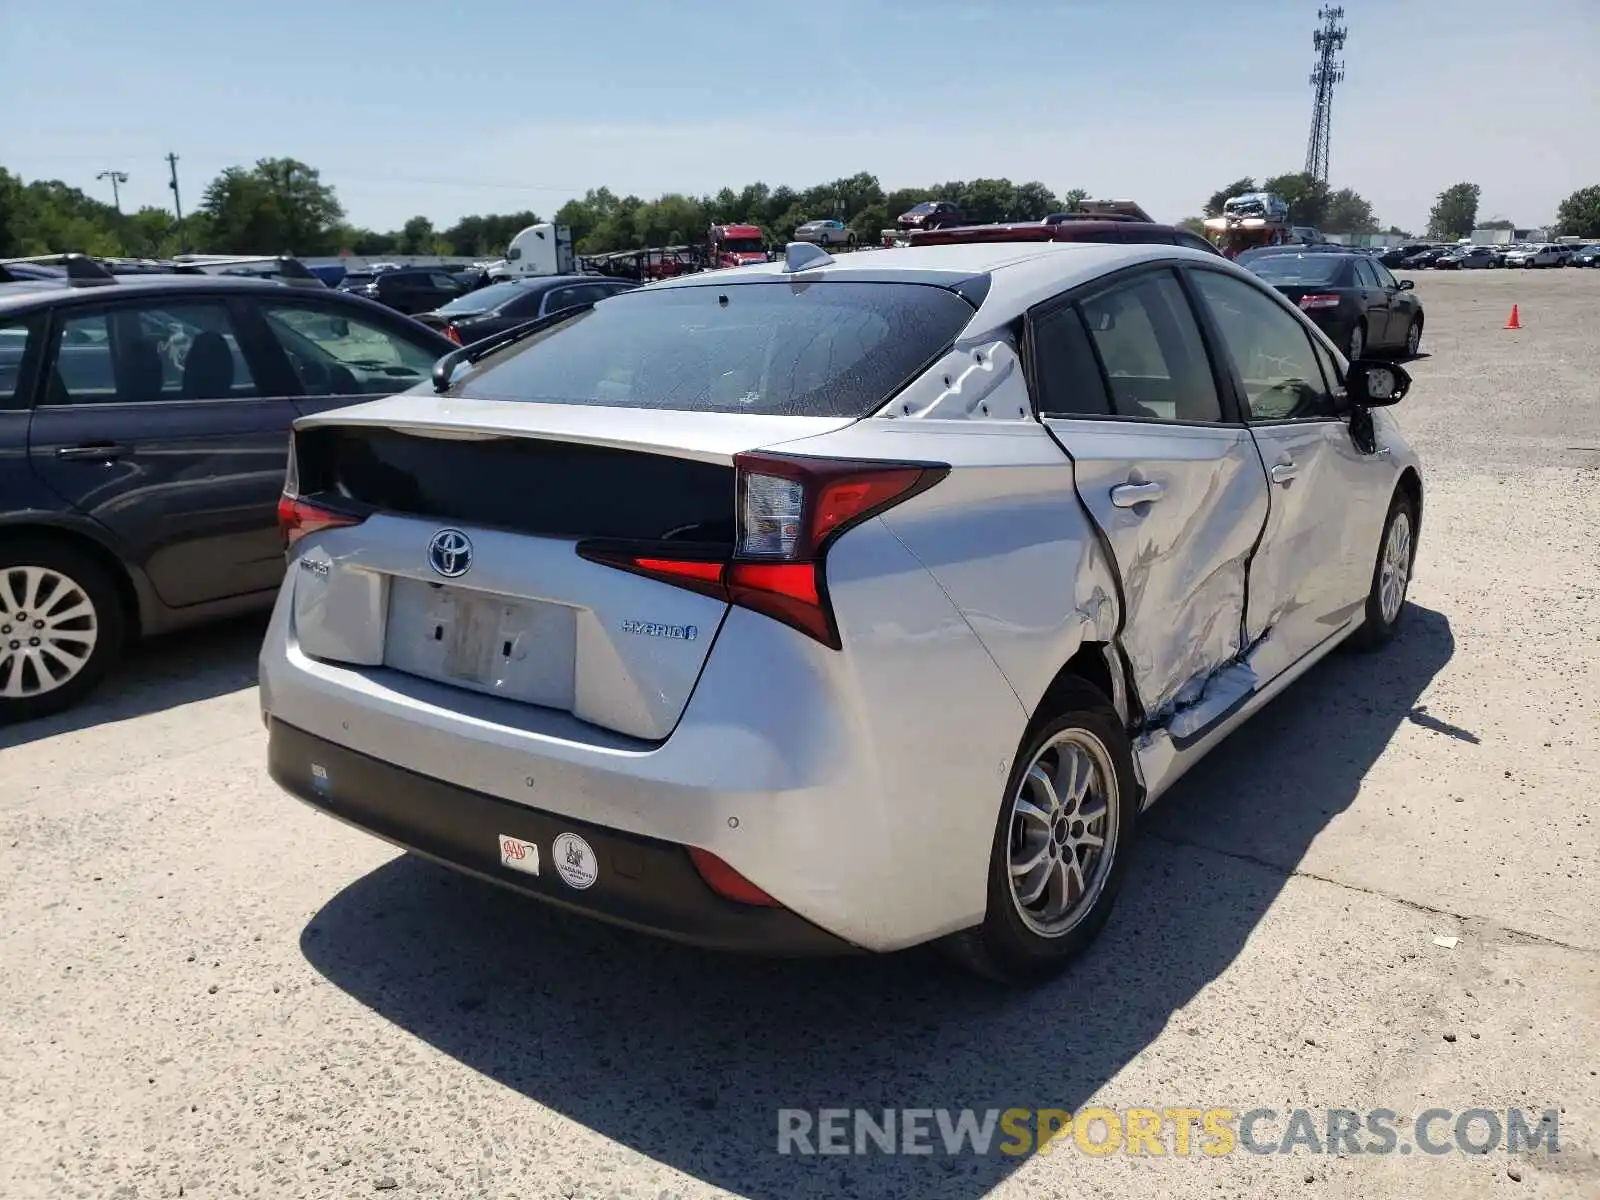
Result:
pixel 823 605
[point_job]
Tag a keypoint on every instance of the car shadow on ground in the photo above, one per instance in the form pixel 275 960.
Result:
pixel 160 673
pixel 685 1057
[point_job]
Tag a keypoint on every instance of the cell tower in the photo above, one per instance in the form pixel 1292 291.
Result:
pixel 1329 41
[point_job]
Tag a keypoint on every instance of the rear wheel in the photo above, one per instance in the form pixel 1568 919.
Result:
pixel 1060 847
pixel 1414 337
pixel 1358 342
pixel 61 627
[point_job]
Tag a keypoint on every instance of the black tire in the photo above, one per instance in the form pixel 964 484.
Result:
pixel 110 623
pixel 1351 351
pixel 1377 630
pixel 1005 947
pixel 850 242
pixel 1413 348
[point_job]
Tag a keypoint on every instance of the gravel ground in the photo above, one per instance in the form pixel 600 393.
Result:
pixel 211 991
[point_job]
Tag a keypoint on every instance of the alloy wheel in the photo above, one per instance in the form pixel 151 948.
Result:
pixel 1063 832
pixel 1358 343
pixel 48 631
pixel 1395 572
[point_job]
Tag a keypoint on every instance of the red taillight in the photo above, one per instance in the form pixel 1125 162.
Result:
pixel 1318 300
pixel 726 882
pixel 296 518
pixel 790 511
pixel 450 332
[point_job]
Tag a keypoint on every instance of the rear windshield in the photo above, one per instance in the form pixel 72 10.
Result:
pixel 484 299
pixel 822 349
pixel 1298 268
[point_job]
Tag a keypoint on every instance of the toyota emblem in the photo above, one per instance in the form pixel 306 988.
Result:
pixel 450 553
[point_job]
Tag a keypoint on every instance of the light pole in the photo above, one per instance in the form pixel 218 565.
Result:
pixel 116 177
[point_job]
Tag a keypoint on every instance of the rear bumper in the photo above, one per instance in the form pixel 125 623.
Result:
pixel 639 882
pixel 858 788
pixel 1335 322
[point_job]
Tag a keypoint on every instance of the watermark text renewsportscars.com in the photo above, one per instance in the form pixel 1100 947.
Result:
pixel 1159 1132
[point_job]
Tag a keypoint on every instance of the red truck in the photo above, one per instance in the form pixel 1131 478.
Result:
pixel 736 246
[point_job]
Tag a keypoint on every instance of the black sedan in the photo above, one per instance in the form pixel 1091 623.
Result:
pixel 1397 256
pixel 500 306
pixel 1426 258
pixel 1585 256
pixel 1352 297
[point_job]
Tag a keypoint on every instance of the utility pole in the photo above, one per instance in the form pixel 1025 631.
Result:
pixel 177 203
pixel 116 177
pixel 1328 42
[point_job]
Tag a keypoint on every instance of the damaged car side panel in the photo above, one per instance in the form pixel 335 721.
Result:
pixel 1182 508
pixel 1004 535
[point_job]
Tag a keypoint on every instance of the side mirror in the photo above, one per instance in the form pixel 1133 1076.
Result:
pixel 1375 384
pixel 339 326
pixel 1100 320
pixel 1407 284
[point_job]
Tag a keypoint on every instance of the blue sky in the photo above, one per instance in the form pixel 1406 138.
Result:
pixel 496 105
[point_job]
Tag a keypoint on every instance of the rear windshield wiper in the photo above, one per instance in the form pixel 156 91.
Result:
pixel 445 368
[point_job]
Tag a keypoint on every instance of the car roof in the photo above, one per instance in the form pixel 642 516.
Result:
pixel 15 295
pixel 1020 274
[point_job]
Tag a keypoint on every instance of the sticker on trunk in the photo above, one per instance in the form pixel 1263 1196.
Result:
pixel 575 861
pixel 518 855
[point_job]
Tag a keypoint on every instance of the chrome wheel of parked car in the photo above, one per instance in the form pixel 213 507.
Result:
pixel 1061 840
pixel 1413 338
pixel 61 627
pixel 1394 572
pixel 1063 835
pixel 48 631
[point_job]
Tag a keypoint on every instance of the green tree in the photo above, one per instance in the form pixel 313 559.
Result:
pixel 1347 212
pixel 1194 225
pixel 278 206
pixel 1072 201
pixel 1579 214
pixel 417 236
pixel 1455 212
pixel 1222 195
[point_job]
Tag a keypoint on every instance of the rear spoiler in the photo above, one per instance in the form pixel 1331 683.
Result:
pixel 82 271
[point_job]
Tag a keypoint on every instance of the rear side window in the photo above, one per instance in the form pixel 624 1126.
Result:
pixel 17 339
pixel 1069 382
pixel 484 299
pixel 823 349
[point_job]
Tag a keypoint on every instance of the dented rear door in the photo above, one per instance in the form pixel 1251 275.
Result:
pixel 1171 479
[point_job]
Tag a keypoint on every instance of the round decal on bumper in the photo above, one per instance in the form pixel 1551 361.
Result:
pixel 575 861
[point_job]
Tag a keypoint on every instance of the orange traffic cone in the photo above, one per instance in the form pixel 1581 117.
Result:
pixel 1514 322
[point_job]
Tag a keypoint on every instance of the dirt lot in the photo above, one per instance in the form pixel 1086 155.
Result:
pixel 211 991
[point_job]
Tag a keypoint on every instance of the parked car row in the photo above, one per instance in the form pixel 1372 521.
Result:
pixel 1456 256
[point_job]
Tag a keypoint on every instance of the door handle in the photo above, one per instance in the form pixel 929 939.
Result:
pixel 1126 495
pixel 1284 471
pixel 92 452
